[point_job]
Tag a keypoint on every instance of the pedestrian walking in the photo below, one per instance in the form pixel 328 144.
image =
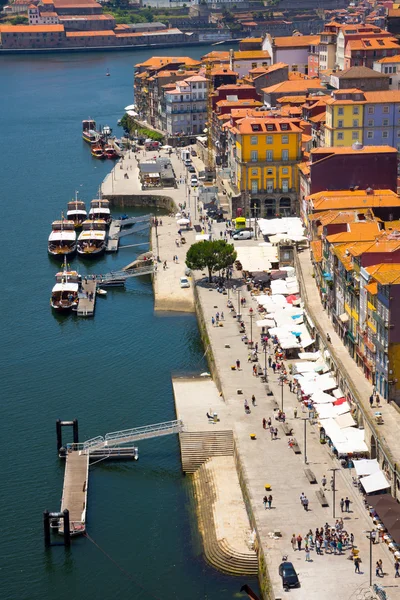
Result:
pixel 299 539
pixel 269 361
pixel 264 421
pixel 222 316
pixel 352 539
pixel 276 434
pixel 396 568
pixel 332 483
pixel 265 500
pixel 293 542
pixel 323 481
pixel 371 400
pixel 272 432
pixel 378 401
pixel 318 546
pixel 305 504
pixel 238 364
pixel 342 504
pixel 377 570
pixel 302 496
pixel 357 562
pixel 253 400
pixel 269 422
pixel 212 321
pixel 307 549
pixel 295 413
pixel 254 371
pixel 269 501
pixel 380 566
pixel 273 366
pixel 347 504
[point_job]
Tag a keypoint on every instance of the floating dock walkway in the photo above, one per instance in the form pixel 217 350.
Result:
pixel 87 298
pixel 117 231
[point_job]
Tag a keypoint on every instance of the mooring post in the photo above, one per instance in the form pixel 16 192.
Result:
pixel 46 527
pixel 75 431
pixel 67 533
pixel 59 435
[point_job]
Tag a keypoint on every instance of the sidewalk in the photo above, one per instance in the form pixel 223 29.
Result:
pixel 388 433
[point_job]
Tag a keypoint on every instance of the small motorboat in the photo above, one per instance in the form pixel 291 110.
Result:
pixel 64 295
pixel 98 151
pixel 108 73
pixel 101 292
pixel 109 151
pixel 89 133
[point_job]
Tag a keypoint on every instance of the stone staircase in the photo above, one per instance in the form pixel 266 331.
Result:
pixel 218 552
pixel 197 447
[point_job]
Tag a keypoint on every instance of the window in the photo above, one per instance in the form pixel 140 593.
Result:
pixel 269 139
pixel 270 156
pixel 254 172
pixel 385 110
pixel 340 136
pixel 254 156
pixel 371 110
pixel 370 122
pixel 354 135
pixel 285 170
pixel 285 185
pixel 385 122
pixel 355 110
pixel 370 135
pixel 340 111
pixel 398 133
pixel 270 172
pixel 270 186
pixel 253 140
pixel 285 154
pixel 254 186
pixel 285 139
pixel 355 122
pixel 385 135
pixel 340 124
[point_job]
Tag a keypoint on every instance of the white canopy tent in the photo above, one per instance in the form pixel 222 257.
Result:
pixel 292 226
pixel 366 466
pixel 257 258
pixel 374 482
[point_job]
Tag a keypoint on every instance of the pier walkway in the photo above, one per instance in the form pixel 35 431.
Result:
pixel 74 496
pixel 86 306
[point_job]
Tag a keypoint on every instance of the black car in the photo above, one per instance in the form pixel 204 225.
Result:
pixel 193 152
pixel 289 575
pixel 191 169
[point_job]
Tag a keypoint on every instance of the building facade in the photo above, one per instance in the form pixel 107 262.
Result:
pixel 344 118
pixel 186 106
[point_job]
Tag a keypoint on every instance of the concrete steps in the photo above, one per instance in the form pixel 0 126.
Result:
pixel 197 447
pixel 218 553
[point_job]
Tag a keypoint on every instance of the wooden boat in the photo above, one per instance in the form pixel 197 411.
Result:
pixel 97 151
pixel 62 239
pixel 109 151
pixel 64 295
pixel 76 212
pixel 89 133
pixel 92 239
pixel 100 209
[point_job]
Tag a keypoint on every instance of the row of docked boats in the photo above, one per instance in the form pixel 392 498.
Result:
pixel 101 142
pixel 63 240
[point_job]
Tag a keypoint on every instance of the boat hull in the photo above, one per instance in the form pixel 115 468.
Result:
pixel 62 252
pixel 64 306
pixel 91 253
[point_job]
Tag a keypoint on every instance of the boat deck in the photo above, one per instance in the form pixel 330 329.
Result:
pixel 74 496
pixel 86 307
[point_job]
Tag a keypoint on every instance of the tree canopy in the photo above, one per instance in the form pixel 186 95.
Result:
pixel 212 255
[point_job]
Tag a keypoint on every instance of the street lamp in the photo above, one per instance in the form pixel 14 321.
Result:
pixel 251 327
pixel 334 469
pixel 370 538
pixel 238 315
pixel 305 419
pixel 282 383
pixel 265 362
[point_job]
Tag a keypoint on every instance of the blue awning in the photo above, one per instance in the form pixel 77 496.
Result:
pixel 327 276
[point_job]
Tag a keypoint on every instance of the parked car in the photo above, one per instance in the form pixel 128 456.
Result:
pixel 191 169
pixel 184 282
pixel 289 575
pixel 243 235
pixel 194 181
pixel 193 152
pixel 188 162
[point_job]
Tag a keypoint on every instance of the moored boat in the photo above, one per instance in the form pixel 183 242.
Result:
pixel 92 239
pixel 64 295
pixel 109 151
pixel 89 132
pixel 62 239
pixel 98 151
pixel 76 212
pixel 100 209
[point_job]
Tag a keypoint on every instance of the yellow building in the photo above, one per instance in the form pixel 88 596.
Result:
pixel 344 118
pixel 262 155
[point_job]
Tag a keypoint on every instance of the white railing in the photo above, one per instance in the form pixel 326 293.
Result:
pixel 147 431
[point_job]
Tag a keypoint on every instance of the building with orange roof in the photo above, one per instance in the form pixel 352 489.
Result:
pixel 355 32
pixel 293 50
pixel 186 106
pixel 297 87
pixel 359 77
pixel 262 155
pixel 365 51
pixel 389 66
pixel 262 77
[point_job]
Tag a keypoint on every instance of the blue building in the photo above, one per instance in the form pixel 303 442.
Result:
pixel 381 120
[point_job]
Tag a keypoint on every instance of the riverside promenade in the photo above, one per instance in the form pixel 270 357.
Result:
pixel 265 461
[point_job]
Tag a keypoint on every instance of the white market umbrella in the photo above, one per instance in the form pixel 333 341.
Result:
pixel 131 113
pixel 166 147
pixel 183 221
pixel 130 107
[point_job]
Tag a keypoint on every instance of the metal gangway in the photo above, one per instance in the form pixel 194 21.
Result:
pixel 132 220
pixel 126 436
pixel 125 232
pixel 121 276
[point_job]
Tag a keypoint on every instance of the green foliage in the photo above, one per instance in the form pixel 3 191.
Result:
pixel 211 255
pixel 19 20
pixel 131 126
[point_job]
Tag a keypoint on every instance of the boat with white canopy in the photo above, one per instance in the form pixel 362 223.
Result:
pixel 62 239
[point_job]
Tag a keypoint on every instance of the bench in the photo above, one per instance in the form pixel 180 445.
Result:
pixel 296 447
pixel 310 476
pixel 287 430
pixel 322 498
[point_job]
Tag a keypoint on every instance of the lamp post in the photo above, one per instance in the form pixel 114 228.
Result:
pixel 238 308
pixel 265 362
pixel 369 537
pixel 251 327
pixel 255 220
pixel 334 469
pixel 282 383
pixel 305 419
pixel 158 249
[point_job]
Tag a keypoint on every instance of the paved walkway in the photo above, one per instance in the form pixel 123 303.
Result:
pixel 266 461
pixel 389 432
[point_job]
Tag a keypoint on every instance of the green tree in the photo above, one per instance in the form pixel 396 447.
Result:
pixel 212 255
pixel 19 20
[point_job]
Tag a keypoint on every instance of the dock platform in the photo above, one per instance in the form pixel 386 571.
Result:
pixel 86 306
pixel 113 236
pixel 74 496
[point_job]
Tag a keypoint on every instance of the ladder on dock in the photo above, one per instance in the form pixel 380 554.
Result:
pixel 118 438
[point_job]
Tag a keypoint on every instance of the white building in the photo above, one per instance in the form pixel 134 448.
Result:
pixel 186 106
pixel 390 65
pixel 45 18
pixel 292 50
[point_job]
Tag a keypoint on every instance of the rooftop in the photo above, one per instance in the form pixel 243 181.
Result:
pixel 345 199
pixel 299 85
pixel 356 232
pixel 373 44
pixel 296 41
pixel 385 274
pixel 390 59
pixel 332 150
pixel 359 72
pixel 263 125
pixel 163 61
pixel 89 33
pixel 251 54
pixel 31 28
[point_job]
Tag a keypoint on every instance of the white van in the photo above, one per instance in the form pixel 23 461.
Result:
pixel 243 235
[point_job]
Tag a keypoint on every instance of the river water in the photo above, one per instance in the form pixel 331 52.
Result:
pixel 112 372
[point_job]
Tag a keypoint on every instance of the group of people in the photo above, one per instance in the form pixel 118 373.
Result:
pixel 325 540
